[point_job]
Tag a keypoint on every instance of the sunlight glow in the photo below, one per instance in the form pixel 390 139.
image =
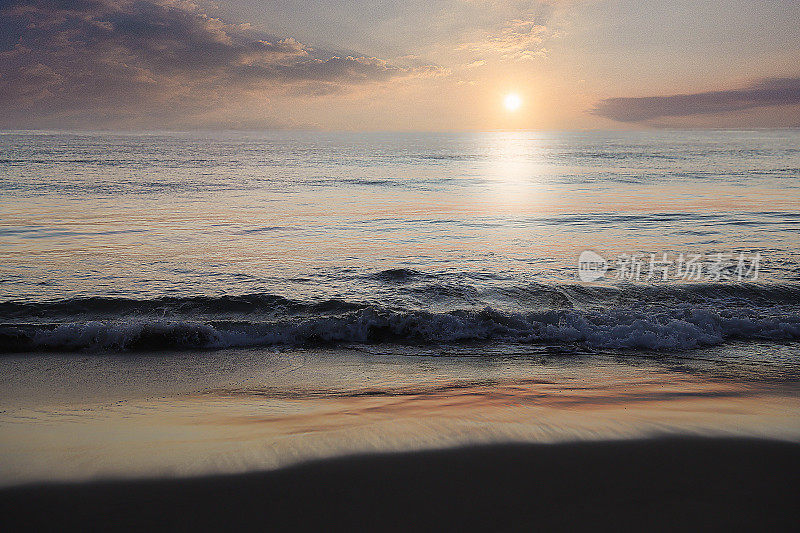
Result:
pixel 512 102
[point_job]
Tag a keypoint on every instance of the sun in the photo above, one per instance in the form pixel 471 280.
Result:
pixel 512 102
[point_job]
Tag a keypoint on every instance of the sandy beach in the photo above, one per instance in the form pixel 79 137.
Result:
pixel 660 484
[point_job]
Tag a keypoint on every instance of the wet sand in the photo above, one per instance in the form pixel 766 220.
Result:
pixel 66 420
pixel 659 484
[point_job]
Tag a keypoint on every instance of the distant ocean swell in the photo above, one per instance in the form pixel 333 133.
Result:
pixel 682 318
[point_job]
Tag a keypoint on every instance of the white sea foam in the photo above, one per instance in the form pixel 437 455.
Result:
pixel 650 328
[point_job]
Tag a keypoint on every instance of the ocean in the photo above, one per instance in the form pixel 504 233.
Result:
pixel 242 301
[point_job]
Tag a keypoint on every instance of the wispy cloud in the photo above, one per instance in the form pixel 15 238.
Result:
pixel 519 40
pixel 103 60
pixel 767 92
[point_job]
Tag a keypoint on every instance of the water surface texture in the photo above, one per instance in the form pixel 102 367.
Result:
pixel 210 240
pixel 192 303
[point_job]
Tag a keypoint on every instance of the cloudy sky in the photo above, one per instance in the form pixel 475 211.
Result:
pixel 398 65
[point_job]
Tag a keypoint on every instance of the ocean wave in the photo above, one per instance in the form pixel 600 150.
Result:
pixel 407 288
pixel 645 328
pixel 168 306
pixel 396 275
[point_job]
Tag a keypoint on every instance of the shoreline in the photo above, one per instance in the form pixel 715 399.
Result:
pixel 665 483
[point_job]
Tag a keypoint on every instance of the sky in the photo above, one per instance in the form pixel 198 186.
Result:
pixel 432 65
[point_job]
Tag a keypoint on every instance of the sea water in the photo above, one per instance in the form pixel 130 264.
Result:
pixel 265 269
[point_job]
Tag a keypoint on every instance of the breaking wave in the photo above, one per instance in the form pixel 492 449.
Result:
pixel 419 310
pixel 650 328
